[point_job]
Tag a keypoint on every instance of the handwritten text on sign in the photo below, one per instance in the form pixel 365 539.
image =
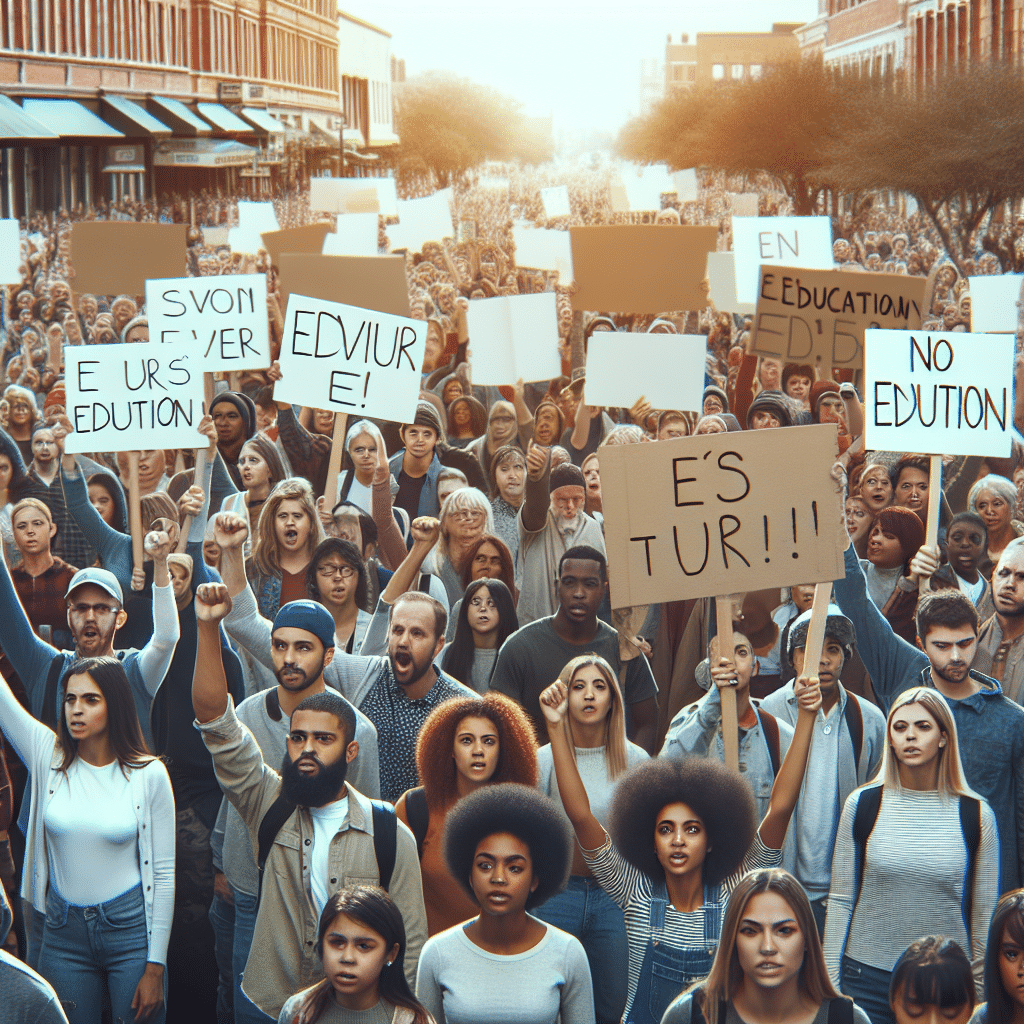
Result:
pixel 126 397
pixel 721 513
pixel 350 360
pixel 942 394
pixel 223 319
pixel 806 315
pixel 786 241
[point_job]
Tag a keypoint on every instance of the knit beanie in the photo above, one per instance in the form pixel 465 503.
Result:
pixel 837 626
pixel 245 406
pixel 905 525
pixel 566 475
pixel 428 416
pixel 774 402
pixel 819 389
pixel 719 393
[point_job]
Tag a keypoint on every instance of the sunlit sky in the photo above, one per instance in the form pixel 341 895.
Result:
pixel 578 61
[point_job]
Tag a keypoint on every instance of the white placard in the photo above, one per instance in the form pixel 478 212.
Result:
pixel 666 369
pixel 513 337
pixel 422 220
pixel 10 252
pixel 642 194
pixel 126 397
pixel 387 197
pixel 744 204
pixel 253 220
pixel 541 249
pixel 215 235
pixel 686 185
pixel 657 177
pixel 356 235
pixel 722 279
pixel 351 360
pixel 787 241
pixel 994 299
pixel 344 195
pixel 940 394
pixel 222 320
pixel 911 206
pixel 556 201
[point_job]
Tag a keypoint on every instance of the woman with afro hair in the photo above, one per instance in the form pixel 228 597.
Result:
pixel 682 835
pixel 465 743
pixel 510 850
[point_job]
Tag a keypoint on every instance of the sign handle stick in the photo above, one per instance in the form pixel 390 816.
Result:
pixel 816 628
pixel 730 720
pixel 134 509
pixel 334 463
pixel 186 526
pixel 934 497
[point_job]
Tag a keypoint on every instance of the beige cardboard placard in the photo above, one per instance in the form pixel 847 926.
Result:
pixel 308 238
pixel 369 282
pixel 116 257
pixel 721 514
pixel 807 315
pixel 640 268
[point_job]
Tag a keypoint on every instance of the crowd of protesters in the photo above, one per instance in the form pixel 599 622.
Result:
pixel 378 749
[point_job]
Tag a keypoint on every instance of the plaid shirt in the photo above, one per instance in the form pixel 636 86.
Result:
pixel 70 542
pixel 43 596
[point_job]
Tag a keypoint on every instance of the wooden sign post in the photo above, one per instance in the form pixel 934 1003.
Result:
pixel 135 510
pixel 730 721
pixel 334 463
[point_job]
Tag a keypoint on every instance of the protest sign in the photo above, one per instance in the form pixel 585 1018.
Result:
pixel 422 220
pixel 221 320
pixel 806 315
pixel 132 397
pixel 113 257
pixel 513 337
pixel 785 241
pixel 215 235
pixel 253 220
pixel 10 252
pixel 666 369
pixel 308 238
pixel 721 513
pixel 685 185
pixel 343 195
pixel 942 394
pixel 544 250
pixel 556 201
pixel 348 359
pixel 994 299
pixel 370 282
pixel 387 196
pixel 722 282
pixel 642 192
pixel 356 235
pixel 744 204
pixel 640 268
pixel 617 197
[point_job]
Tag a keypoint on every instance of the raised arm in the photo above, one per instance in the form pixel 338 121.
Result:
pixel 209 682
pixel 230 531
pixel 155 657
pixel 390 543
pixel 534 513
pixel 424 531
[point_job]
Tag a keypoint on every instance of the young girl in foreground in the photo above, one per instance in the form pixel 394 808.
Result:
pixel 361 942
pixel 932 983
pixel 769 964
pixel 1004 964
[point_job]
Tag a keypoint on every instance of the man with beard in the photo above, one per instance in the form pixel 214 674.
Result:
pixel 990 726
pixel 327 842
pixel 1000 653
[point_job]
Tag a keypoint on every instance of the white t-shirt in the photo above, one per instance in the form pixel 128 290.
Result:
pixel 326 822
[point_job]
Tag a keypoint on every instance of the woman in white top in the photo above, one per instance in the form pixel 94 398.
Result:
pixel 261 469
pixel 99 853
pixel 916 854
pixel 363 442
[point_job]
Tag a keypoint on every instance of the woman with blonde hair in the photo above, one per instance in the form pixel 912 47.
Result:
pixel 466 516
pixel 769 962
pixel 918 838
pixel 595 731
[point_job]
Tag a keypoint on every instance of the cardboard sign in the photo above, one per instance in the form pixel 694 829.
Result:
pixel 940 394
pixel 132 397
pixel 544 250
pixel 513 337
pixel 308 238
pixel 10 252
pixel 721 514
pixel 422 220
pixel 744 204
pixel 343 195
pixel 994 299
pixel 356 235
pixel 640 268
pixel 370 282
pixel 221 320
pixel 617 197
pixel 556 201
pixel 351 360
pixel 805 315
pixel 722 282
pixel 686 185
pixel 215 236
pixel 783 241
pixel 117 257
pixel 667 369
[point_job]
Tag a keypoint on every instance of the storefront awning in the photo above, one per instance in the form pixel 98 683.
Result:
pixel 133 120
pixel 125 160
pixel 203 153
pixel 262 121
pixel 16 125
pixel 318 124
pixel 174 113
pixel 69 119
pixel 353 135
pixel 383 139
pixel 222 119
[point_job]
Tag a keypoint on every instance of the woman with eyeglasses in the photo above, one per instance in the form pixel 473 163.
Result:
pixel 336 577
pixel 465 517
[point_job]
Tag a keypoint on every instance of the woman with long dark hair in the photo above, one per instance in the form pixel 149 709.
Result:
pixel 1004 964
pixel 932 981
pixel 488 558
pixel 261 470
pixel 99 854
pixel 336 577
pixel 361 941
pixel 486 617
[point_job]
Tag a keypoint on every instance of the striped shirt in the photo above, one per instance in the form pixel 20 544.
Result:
pixel 632 890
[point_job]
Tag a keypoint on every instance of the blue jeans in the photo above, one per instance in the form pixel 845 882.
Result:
pixel 88 948
pixel 246 1011
pixel 585 910
pixel 868 987
pixel 222 920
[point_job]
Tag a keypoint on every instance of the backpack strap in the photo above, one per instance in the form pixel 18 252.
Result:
pixel 385 840
pixel 49 715
pixel 855 723
pixel 771 734
pixel 273 704
pixel 418 813
pixel 423 586
pixel 270 824
pixel 970 824
pixel 869 803
pixel 840 1011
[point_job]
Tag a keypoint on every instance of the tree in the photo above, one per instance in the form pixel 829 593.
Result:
pixel 453 125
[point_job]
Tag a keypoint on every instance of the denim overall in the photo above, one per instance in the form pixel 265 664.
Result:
pixel 667 970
